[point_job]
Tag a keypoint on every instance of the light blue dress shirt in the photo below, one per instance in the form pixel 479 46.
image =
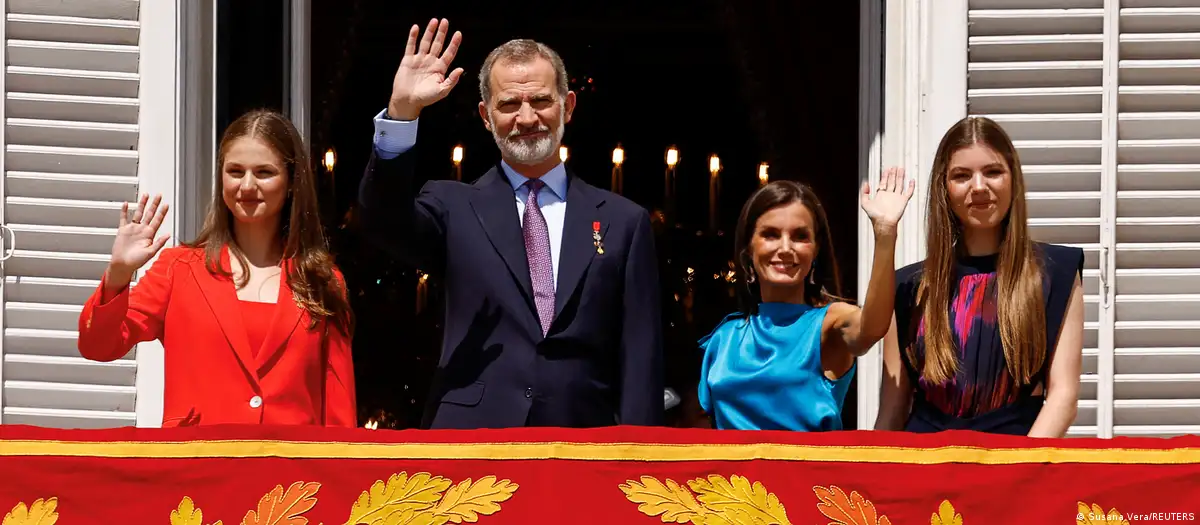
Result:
pixel 393 137
pixel 764 372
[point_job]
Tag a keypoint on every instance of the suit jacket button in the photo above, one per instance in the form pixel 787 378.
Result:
pixel 255 402
pixel 528 393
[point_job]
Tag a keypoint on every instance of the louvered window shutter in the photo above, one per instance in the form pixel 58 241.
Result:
pixel 1157 213
pixel 1102 99
pixel 71 135
pixel 1039 73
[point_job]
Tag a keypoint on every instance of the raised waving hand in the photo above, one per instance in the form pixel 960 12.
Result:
pixel 424 76
pixel 891 198
pixel 136 244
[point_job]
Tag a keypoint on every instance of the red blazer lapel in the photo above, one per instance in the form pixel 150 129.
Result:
pixel 283 323
pixel 221 294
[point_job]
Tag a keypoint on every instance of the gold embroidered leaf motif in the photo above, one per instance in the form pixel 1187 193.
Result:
pixel 737 495
pixel 853 510
pixel 399 495
pixel 42 512
pixel 717 501
pixel 731 517
pixel 188 514
pixel 466 501
pixel 398 518
pixel 1095 515
pixel 411 518
pixel 284 508
pixel 675 503
pixel 946 515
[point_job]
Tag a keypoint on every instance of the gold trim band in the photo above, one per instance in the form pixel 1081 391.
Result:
pixel 597 452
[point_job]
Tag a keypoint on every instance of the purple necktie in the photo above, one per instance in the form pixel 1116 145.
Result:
pixel 537 249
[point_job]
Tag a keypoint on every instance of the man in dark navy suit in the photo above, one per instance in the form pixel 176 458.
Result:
pixel 552 295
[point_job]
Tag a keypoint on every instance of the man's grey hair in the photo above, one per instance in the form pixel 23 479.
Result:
pixel 521 51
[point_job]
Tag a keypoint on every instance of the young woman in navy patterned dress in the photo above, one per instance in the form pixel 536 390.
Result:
pixel 988 329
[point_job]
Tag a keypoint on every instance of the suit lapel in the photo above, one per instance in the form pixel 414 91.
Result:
pixel 221 296
pixel 283 323
pixel 496 208
pixel 578 246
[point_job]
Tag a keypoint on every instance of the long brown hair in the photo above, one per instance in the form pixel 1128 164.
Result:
pixel 310 268
pixel 1021 312
pixel 825 285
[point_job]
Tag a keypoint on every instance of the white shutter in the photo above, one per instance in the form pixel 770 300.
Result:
pixel 71 135
pixel 1036 68
pixel 1157 282
pixel 1103 101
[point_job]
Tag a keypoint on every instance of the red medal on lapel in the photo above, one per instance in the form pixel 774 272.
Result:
pixel 596 238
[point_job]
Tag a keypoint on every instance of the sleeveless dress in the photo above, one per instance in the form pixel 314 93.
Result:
pixel 763 372
pixel 982 396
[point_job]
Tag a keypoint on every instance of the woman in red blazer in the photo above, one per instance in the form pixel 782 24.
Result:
pixel 253 316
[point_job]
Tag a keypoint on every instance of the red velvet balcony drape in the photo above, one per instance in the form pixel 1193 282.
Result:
pixel 256 475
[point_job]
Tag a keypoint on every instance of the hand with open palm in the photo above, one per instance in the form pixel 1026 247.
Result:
pixel 135 244
pixel 424 75
pixel 891 197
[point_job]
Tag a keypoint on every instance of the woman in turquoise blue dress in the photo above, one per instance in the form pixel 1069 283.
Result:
pixel 784 361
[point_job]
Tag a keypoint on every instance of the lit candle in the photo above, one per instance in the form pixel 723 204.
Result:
pixel 762 174
pixel 457 157
pixel 669 184
pixel 562 153
pixel 714 191
pixel 330 159
pixel 422 291
pixel 618 176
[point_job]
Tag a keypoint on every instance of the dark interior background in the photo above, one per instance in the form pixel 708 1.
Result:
pixel 750 80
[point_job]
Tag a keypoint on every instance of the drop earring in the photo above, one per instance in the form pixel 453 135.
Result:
pixel 812 273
